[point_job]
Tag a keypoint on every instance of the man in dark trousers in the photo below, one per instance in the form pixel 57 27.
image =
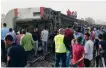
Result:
pixel 16 56
pixel 69 35
pixel 102 49
pixel 36 38
pixel 4 31
pixel 61 47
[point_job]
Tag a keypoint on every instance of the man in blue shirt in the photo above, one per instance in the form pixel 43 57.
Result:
pixel 4 31
pixel 12 34
pixel 77 34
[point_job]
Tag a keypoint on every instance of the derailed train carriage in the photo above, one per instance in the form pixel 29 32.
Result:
pixel 29 18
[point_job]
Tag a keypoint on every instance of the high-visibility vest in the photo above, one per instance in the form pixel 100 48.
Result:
pixel 59 44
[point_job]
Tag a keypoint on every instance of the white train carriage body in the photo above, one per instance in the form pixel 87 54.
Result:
pixel 22 14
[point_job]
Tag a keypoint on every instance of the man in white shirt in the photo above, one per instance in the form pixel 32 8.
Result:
pixel 44 38
pixel 88 50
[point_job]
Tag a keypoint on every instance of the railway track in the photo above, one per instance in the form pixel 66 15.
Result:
pixel 42 61
pixel 47 60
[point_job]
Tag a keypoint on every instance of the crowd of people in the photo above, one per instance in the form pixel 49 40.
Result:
pixel 18 47
pixel 73 46
pixel 79 47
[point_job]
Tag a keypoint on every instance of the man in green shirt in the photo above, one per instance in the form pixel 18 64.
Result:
pixel 27 42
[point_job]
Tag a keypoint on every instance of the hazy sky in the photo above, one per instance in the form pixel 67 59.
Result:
pixel 94 9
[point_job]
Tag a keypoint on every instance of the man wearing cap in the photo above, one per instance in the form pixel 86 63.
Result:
pixel 61 47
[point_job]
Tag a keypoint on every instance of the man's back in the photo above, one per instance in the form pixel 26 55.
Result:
pixel 13 35
pixel 78 51
pixel 4 31
pixel 18 38
pixel 27 42
pixel 44 35
pixel 103 44
pixel 16 56
pixel 36 36
pixel 69 34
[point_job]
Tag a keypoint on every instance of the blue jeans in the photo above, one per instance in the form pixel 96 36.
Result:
pixel 68 54
pixel 44 46
pixel 36 47
pixel 60 57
